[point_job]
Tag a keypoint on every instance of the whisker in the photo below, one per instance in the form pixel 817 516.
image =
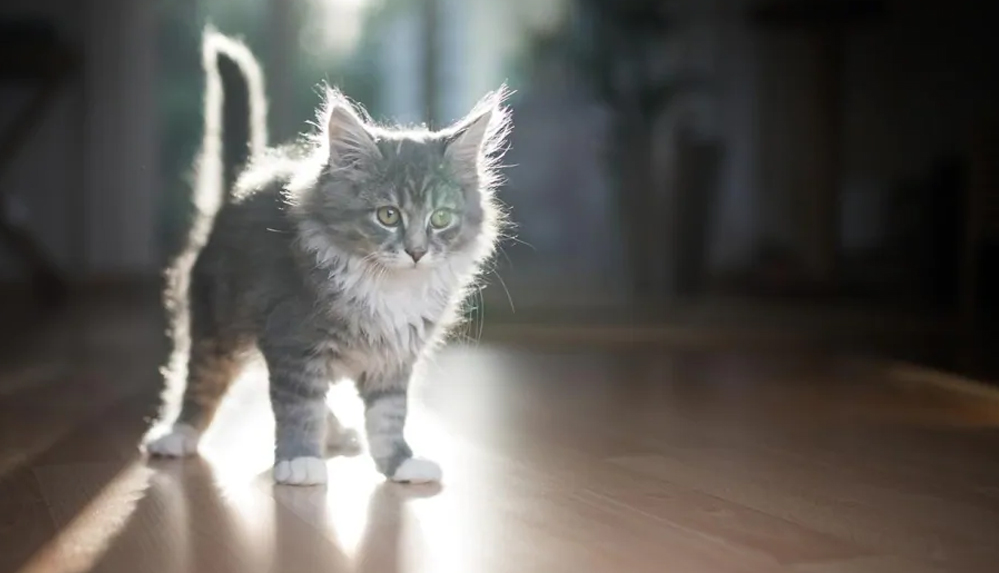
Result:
pixel 482 314
pixel 519 241
pixel 509 298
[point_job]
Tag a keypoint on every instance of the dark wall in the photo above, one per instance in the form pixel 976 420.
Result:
pixel 83 182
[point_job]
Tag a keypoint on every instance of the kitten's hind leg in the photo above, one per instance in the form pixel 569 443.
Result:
pixel 212 367
pixel 340 440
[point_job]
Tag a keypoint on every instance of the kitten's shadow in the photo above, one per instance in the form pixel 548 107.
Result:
pixel 380 547
pixel 381 550
pixel 306 529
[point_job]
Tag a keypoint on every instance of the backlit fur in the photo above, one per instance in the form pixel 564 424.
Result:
pixel 297 264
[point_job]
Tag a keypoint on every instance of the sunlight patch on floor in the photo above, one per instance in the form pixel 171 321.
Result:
pixel 435 524
pixel 87 536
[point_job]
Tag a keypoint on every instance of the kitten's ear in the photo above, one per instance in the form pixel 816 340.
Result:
pixel 475 144
pixel 351 144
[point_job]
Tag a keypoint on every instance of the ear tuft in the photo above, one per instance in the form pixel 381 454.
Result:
pixel 476 143
pixel 352 145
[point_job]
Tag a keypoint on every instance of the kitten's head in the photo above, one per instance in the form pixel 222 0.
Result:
pixel 403 199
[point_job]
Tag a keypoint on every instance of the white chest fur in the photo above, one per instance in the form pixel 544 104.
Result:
pixel 392 318
pixel 391 314
pixel 400 306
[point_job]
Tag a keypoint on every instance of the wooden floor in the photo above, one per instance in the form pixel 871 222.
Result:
pixel 573 461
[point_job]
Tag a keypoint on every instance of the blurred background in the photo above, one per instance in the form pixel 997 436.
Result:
pixel 810 171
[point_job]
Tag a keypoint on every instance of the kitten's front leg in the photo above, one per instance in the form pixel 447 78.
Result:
pixel 385 408
pixel 298 390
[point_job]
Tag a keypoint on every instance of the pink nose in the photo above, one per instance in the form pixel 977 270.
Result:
pixel 417 254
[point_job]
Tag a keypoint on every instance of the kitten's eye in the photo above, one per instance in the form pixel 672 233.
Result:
pixel 388 216
pixel 440 218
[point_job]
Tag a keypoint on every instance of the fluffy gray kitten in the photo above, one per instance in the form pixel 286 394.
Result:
pixel 346 255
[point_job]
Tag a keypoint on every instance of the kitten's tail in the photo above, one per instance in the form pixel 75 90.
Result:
pixel 235 117
pixel 234 133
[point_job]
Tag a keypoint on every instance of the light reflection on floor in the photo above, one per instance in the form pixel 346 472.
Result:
pixel 239 450
pixel 85 537
pixel 370 524
pixel 556 462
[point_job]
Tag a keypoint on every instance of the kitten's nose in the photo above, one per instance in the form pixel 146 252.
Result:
pixel 416 253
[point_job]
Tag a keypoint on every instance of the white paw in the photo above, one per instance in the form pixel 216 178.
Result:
pixel 300 471
pixel 343 441
pixel 418 470
pixel 182 441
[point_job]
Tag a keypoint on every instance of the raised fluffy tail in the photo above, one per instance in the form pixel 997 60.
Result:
pixel 235 117
pixel 235 131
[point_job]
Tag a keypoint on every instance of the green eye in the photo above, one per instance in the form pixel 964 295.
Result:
pixel 388 216
pixel 440 218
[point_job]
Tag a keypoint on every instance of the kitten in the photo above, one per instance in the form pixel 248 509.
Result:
pixel 346 255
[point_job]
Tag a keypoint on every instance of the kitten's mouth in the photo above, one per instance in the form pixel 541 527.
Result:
pixel 418 266
pixel 404 264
